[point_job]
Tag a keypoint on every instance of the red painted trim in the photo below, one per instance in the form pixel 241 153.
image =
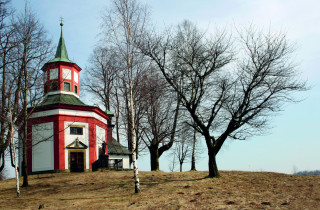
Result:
pixel 61 150
pixel 73 107
pixel 60 63
pixel 56 142
pixel 66 106
pixel 29 147
pixel 59 142
pixel 92 144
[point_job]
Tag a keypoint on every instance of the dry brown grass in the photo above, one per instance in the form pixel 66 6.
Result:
pixel 187 190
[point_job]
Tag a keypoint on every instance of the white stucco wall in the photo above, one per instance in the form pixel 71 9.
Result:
pixel 125 159
pixel 43 148
pixel 101 137
pixel 71 138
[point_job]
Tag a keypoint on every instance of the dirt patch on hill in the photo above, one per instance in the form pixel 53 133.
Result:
pixel 186 190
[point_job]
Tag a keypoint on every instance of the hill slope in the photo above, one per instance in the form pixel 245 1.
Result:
pixel 115 190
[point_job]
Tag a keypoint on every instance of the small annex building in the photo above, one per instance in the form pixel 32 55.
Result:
pixel 118 155
pixel 65 134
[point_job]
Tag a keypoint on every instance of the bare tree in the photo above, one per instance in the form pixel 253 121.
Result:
pixel 7 44
pixel 229 92
pixel 107 81
pixel 14 151
pixel 32 50
pixel 172 164
pixel 183 143
pixel 123 24
pixel 101 74
pixel 159 127
pixel 101 80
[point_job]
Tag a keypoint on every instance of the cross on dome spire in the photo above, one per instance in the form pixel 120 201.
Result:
pixel 61 53
pixel 61 22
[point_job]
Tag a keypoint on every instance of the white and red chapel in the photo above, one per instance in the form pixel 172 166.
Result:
pixel 64 134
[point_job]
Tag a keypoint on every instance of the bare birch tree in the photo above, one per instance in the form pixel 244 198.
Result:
pixel 123 24
pixel 7 44
pixel 14 151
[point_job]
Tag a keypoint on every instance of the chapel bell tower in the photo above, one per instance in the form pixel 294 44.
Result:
pixel 61 76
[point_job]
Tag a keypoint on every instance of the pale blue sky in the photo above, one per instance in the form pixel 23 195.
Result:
pixel 294 140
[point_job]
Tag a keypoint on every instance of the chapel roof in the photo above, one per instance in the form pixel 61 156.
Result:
pixel 115 148
pixel 62 99
pixel 61 53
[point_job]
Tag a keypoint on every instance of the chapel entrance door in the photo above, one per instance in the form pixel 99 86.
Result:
pixel 76 161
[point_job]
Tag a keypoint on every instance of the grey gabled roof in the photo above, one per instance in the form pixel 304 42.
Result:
pixel 115 148
pixel 61 99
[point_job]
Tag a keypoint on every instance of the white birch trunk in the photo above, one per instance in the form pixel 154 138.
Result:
pixel 14 154
pixel 133 136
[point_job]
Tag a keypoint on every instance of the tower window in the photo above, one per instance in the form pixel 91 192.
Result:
pixel 66 74
pixel 66 86
pixel 76 130
pixel 76 89
pixel 54 73
pixel 76 77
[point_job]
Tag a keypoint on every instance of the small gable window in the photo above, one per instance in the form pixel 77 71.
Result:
pixel 66 86
pixel 76 89
pixel 76 130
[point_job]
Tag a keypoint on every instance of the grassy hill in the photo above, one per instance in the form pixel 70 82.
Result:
pixel 115 190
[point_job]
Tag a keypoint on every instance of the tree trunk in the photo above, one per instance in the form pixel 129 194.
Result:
pixel 3 113
pixel 117 116
pixel 213 169
pixel 137 144
pixel 3 161
pixel 24 165
pixel 135 172
pixel 133 135
pixel 14 153
pixel 133 142
pixel 181 163
pixel 11 155
pixel 154 159
pixel 16 170
pixel 25 135
pixel 129 128
pixel 24 174
pixel 194 147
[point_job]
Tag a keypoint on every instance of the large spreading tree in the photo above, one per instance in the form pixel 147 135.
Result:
pixel 229 85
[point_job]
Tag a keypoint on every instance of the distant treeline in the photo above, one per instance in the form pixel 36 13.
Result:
pixel 304 173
